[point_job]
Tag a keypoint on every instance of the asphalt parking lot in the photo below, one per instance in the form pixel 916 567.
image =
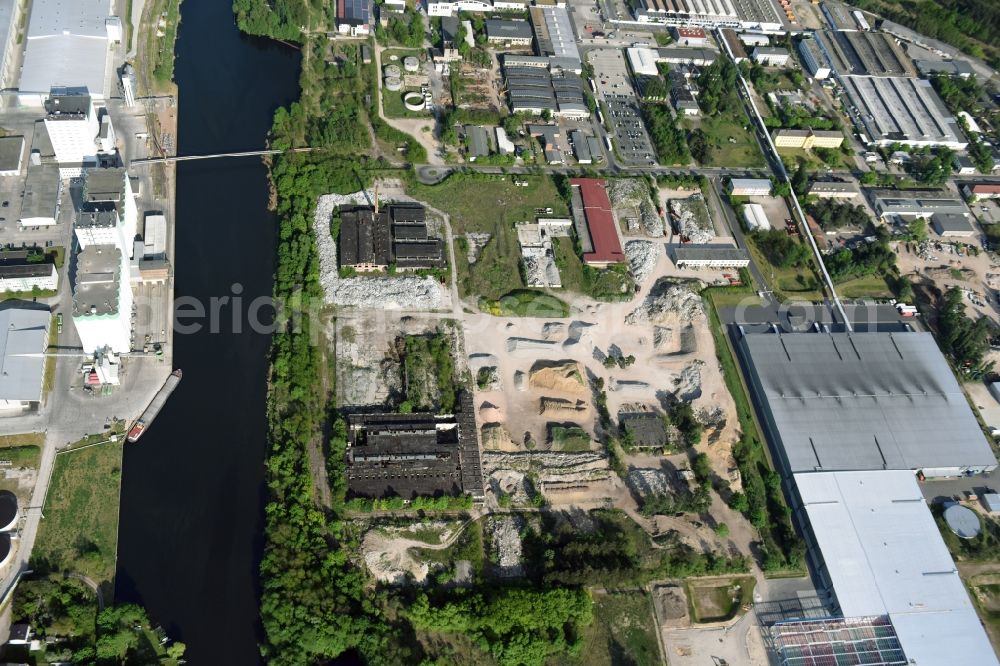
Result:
pixel 615 88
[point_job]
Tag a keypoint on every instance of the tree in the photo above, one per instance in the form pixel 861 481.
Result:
pixel 800 181
pixel 918 229
pixel 722 530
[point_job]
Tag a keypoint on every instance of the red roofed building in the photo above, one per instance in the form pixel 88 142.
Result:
pixel 983 190
pixel 690 36
pixel 600 223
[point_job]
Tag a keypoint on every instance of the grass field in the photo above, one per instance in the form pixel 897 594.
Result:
pixel 569 438
pixel 491 204
pixel 392 101
pixel 873 286
pixel 788 283
pixel 80 530
pixel 744 152
pixel 718 600
pixel 526 303
pixel 611 284
pixel 623 632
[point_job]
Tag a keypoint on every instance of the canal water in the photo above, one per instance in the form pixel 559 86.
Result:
pixel 192 492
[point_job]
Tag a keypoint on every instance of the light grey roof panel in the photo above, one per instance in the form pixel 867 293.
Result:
pixel 863 401
pixel 22 332
pixel 65 60
pixel 75 17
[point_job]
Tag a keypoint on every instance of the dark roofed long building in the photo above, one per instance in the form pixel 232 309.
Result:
pixel 397 234
pixel 411 455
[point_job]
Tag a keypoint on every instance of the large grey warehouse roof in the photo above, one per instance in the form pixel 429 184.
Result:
pixel 22 332
pixel 862 401
pixel 67 45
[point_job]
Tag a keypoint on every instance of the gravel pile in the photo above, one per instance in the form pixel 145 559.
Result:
pixel 642 256
pixel 551 466
pixel 687 385
pixel 374 292
pixel 692 219
pixel 668 297
pixel 635 192
pixel 505 544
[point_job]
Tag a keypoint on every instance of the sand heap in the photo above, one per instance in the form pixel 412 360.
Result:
pixel 559 376
pixel 490 413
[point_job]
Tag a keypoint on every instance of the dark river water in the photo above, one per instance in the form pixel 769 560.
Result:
pixel 192 492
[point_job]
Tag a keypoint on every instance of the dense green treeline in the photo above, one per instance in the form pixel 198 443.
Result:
pixel 519 627
pixel 281 19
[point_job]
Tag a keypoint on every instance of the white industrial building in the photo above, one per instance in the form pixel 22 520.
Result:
pixel 749 187
pixel 877 550
pixel 642 60
pixel 774 56
pixel 814 59
pixel 73 126
pixel 154 236
pixel 862 401
pixel 68 45
pixel 108 214
pixel 102 300
pixel 710 256
pixel 24 338
pixel 25 278
pixel 755 217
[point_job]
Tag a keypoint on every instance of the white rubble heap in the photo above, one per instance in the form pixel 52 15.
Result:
pixel 646 481
pixel 409 292
pixel 505 544
pixel 642 256
pixel 696 228
pixel 634 192
pixel 476 243
pixel 668 297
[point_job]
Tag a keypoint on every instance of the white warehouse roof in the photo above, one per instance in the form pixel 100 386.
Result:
pixel 883 555
pixel 22 332
pixel 862 401
pixel 643 61
pixel 755 217
pixel 67 46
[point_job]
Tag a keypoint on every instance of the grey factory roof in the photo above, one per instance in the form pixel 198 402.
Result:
pixel 508 29
pixel 66 104
pixel 11 153
pixel 104 184
pixel 532 87
pixel 79 17
pixel 883 555
pixel 949 67
pixel 580 146
pixel 824 186
pixel 861 401
pixel 22 332
pixel 917 204
pixel 554 33
pixel 903 110
pixel 675 54
pixel 98 280
pixel 951 223
pixel 41 191
pixel 478 141
pixel 67 46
